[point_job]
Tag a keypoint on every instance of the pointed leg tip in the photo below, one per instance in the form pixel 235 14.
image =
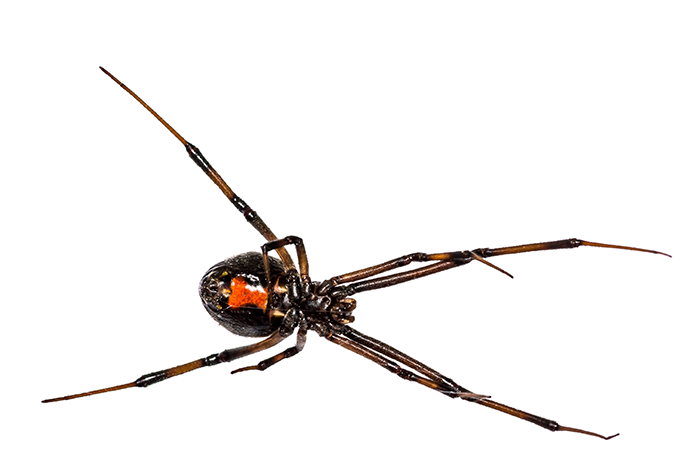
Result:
pixel 245 368
pixel 45 401
pixel 584 432
pixel 656 252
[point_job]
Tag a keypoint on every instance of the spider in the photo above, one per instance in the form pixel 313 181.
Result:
pixel 256 295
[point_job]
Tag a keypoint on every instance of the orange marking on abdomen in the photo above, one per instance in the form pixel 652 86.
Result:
pixel 243 293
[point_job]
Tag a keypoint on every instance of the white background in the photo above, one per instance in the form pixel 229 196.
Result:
pixel 372 130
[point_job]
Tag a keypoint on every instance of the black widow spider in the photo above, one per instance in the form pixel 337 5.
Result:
pixel 256 295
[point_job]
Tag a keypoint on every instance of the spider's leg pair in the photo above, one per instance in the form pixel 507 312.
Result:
pixel 444 261
pixel 387 356
pixel 390 358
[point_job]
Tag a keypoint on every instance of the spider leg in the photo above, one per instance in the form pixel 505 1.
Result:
pixel 301 254
pixel 445 261
pixel 196 155
pixel 389 351
pixel 556 245
pixel 380 268
pixel 395 367
pixel 295 286
pixel 290 352
pixel 387 357
pixel 211 360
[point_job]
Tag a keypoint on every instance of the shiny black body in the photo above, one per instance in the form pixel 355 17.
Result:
pixel 248 321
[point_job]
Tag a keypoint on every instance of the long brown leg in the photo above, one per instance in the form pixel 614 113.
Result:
pixel 387 356
pixel 385 349
pixel 460 257
pixel 196 155
pixel 446 261
pixel 211 360
pixel 388 364
pixel 555 245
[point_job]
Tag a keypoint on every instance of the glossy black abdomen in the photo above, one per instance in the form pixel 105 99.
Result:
pixel 235 293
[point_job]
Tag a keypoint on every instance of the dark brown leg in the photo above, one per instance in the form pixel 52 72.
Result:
pixel 387 356
pixel 451 390
pixel 301 254
pixel 556 245
pixel 158 376
pixel 461 257
pixel 196 155
pixel 445 261
pixel 290 352
pixel 370 342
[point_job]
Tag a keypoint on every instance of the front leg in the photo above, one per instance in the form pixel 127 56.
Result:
pixel 444 261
